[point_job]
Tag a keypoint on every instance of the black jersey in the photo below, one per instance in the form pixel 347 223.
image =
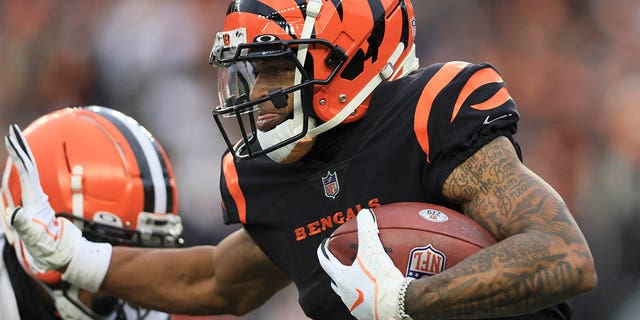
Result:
pixel 416 131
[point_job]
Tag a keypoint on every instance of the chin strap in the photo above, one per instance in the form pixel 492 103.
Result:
pixel 288 128
pixel 313 9
pixel 408 65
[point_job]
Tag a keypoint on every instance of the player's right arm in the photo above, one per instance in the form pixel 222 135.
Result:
pixel 541 259
pixel 466 120
pixel 234 277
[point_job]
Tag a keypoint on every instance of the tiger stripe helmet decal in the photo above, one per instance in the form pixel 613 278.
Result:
pixel 348 48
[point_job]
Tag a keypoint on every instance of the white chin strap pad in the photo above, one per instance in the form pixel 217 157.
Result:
pixel 278 134
pixel 289 128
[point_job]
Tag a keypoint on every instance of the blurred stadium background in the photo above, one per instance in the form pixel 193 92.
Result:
pixel 573 67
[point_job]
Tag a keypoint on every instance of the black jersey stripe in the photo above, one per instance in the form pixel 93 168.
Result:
pixel 142 158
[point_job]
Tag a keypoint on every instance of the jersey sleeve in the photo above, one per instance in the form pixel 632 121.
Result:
pixel 462 107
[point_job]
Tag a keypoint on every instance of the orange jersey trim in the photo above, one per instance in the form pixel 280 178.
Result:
pixel 428 96
pixel 478 79
pixel 231 178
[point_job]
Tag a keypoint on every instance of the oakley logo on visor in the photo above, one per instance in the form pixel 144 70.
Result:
pixel 265 38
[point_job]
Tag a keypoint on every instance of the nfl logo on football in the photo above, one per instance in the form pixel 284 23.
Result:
pixel 425 261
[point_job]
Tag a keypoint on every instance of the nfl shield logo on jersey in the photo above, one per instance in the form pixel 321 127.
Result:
pixel 425 261
pixel 331 186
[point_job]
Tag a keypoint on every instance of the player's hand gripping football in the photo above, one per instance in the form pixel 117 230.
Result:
pixel 372 287
pixel 54 243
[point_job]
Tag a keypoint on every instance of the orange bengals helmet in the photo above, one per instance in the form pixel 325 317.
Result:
pixel 342 50
pixel 104 171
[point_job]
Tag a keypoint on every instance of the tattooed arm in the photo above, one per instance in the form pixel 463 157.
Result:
pixel 541 258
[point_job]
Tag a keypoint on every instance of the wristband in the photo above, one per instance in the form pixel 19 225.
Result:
pixel 89 265
pixel 401 299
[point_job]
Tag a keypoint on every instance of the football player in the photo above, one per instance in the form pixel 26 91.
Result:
pixel 326 113
pixel 107 176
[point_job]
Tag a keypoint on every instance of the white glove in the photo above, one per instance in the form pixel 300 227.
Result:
pixel 49 239
pixel 372 287
pixel 53 242
pixel 32 265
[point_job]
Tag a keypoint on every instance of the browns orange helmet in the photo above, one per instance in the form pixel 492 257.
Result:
pixel 341 50
pixel 104 171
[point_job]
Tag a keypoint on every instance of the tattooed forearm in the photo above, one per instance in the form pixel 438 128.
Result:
pixel 541 258
pixel 521 274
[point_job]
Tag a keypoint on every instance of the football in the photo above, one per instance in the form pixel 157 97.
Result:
pixel 422 239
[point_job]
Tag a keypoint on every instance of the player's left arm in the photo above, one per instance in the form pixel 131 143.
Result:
pixel 541 260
